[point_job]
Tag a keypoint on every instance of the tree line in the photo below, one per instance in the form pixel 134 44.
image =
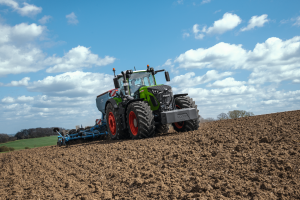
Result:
pixel 28 133
pixel 230 115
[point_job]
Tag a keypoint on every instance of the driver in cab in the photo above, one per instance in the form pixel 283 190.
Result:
pixel 133 86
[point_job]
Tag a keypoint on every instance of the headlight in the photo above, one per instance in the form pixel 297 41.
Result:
pixel 153 91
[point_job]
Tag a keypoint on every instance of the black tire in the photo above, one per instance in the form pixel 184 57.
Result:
pixel 78 131
pixel 161 128
pixel 190 125
pixel 72 131
pixel 140 120
pixel 112 115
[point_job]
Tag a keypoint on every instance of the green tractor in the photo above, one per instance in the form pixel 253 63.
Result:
pixel 139 108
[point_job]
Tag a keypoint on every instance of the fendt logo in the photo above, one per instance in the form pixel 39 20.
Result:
pixel 182 116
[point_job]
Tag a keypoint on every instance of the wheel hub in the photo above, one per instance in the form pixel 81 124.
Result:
pixel 135 123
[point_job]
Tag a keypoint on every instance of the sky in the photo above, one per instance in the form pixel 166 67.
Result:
pixel 57 56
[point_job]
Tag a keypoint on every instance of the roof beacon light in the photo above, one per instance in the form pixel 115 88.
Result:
pixel 114 71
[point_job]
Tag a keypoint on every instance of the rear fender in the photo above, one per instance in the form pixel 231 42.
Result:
pixel 113 102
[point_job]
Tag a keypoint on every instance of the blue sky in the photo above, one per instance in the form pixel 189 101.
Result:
pixel 57 56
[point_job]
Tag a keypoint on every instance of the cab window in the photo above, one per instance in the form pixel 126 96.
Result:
pixel 121 85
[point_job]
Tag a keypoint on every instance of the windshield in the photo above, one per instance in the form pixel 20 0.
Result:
pixel 139 79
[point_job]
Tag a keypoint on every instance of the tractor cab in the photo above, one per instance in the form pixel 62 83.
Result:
pixel 137 80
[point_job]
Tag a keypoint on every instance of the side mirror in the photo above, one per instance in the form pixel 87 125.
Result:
pixel 167 76
pixel 152 71
pixel 116 82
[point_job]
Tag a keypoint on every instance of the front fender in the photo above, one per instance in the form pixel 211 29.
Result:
pixel 180 95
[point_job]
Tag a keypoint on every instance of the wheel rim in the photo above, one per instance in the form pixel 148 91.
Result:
pixel 179 124
pixel 112 123
pixel 133 123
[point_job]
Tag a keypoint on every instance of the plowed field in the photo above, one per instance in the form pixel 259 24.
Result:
pixel 249 158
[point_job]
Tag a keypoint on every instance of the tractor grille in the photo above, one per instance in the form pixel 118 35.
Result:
pixel 164 95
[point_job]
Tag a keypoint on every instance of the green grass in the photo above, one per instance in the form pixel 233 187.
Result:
pixel 31 143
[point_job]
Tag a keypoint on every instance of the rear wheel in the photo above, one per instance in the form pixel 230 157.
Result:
pixel 190 125
pixel 114 125
pixel 140 120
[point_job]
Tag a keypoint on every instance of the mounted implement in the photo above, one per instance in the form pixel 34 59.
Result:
pixel 75 136
pixel 139 108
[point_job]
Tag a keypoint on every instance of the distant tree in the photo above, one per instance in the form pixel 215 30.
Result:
pixel 239 113
pixel 4 138
pixel 222 116
pixel 248 114
pixel 35 133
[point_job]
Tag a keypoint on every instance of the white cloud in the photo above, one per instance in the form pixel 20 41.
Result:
pixel 270 102
pixel 77 58
pixel 205 1
pixel 197 33
pixel 180 1
pixel 22 82
pixel 72 18
pixel 27 10
pixel 45 19
pixel 221 55
pixel 14 60
pixel 19 55
pixel 185 35
pixel 168 62
pixel 256 21
pixel 189 79
pixel 20 33
pixel 297 23
pixel 73 84
pixel 8 100
pixel 227 82
pixel 25 99
pixel 272 61
pixel 217 11
pixel 284 21
pixel 227 23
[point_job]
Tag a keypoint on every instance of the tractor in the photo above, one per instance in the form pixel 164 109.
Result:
pixel 138 107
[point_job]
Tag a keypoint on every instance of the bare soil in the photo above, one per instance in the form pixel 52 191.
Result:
pixel 249 158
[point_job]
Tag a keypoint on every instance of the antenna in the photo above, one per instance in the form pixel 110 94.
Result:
pixel 134 68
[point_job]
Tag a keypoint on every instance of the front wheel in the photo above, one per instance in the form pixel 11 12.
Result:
pixel 140 120
pixel 190 125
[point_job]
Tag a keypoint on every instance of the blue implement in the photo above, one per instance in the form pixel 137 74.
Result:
pixel 94 132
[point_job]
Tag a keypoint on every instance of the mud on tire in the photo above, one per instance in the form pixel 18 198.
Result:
pixel 161 128
pixel 190 125
pixel 140 120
